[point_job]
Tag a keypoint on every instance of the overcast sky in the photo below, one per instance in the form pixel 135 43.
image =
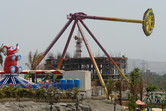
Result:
pixel 35 23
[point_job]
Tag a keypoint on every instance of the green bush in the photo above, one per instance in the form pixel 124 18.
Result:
pixel 75 92
pixel 39 93
pixel 9 91
pixel 23 92
pixel 68 93
pixel 2 95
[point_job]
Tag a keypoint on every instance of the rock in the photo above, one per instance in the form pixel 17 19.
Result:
pixel 57 108
pixel 86 105
pixel 63 104
pixel 108 101
pixel 69 105
pixel 68 109
pixel 85 108
pixel 21 106
pixel 7 104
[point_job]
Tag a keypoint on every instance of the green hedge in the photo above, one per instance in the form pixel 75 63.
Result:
pixel 14 92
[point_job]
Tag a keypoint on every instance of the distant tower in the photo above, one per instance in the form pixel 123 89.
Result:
pixel 78 46
pixel 144 66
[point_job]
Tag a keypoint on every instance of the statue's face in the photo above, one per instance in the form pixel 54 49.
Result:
pixel 10 51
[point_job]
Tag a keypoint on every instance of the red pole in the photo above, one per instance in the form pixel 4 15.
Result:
pixel 53 42
pixel 67 44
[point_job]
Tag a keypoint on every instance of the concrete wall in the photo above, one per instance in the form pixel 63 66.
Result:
pixel 85 80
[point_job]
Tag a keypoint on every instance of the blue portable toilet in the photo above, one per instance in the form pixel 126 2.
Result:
pixel 63 84
pixel 77 83
pixel 70 83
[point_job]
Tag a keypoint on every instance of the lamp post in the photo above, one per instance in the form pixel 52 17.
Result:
pixel 114 106
pixel 82 96
pixel 77 100
pixel 111 97
pixel 49 98
pixel 113 101
pixel 162 105
pixel 77 104
pixel 57 95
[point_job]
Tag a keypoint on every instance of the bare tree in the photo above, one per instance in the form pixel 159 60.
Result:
pixel 141 88
pixel 51 56
pixel 120 85
pixel 1 58
pixel 67 56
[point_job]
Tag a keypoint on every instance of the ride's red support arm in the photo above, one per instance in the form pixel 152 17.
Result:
pixel 53 42
pixel 67 44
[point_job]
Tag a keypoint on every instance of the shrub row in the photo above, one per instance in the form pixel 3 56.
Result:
pixel 9 91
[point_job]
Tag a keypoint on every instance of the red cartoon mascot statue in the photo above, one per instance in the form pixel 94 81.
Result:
pixel 10 65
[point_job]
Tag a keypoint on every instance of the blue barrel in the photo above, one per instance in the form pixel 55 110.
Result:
pixel 70 83
pixel 77 83
pixel 63 84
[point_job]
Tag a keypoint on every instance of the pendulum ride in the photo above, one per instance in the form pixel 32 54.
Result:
pixel 147 24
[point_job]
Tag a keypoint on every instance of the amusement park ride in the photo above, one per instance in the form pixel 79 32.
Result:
pixel 147 23
pixel 11 69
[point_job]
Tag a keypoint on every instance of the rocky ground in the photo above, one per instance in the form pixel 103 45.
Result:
pixel 86 105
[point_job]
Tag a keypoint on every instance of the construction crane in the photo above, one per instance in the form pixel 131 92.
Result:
pixel 78 46
pixel 147 24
